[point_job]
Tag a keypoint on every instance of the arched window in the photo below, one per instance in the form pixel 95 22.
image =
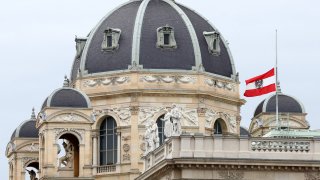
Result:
pixel 160 124
pixel 217 127
pixel 108 142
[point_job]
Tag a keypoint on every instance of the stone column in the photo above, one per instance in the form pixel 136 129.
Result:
pixel 119 148
pixel 202 120
pixel 95 153
pixel 135 152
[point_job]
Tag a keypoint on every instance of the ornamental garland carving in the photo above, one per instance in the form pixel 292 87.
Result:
pixel 168 79
pixel 106 81
pixel 219 84
pixel 231 175
pixel 124 114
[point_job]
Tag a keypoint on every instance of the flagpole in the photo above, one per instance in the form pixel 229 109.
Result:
pixel 276 69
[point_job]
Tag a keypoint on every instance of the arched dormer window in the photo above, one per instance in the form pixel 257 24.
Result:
pixel 108 142
pixel 165 38
pixel 213 41
pixel 160 124
pixel 111 39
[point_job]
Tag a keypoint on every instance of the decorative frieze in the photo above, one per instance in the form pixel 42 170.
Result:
pixel 177 79
pixel 27 160
pixel 220 84
pixel 60 131
pixel 106 81
pixel 231 175
pixel 312 176
pixel 70 117
pixel 280 146
pixel 30 148
pixel 124 114
pixel 147 114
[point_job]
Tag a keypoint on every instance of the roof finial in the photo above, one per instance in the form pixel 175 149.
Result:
pixel 66 81
pixel 33 114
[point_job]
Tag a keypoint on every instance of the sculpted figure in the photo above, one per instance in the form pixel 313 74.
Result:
pixel 176 116
pixel 151 137
pixel 33 175
pixel 168 127
pixel 67 160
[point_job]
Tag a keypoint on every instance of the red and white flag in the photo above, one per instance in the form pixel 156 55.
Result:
pixel 260 85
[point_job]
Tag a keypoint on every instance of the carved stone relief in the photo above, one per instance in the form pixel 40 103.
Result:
pixel 124 114
pixel 168 79
pixel 10 148
pixel 212 115
pixel 60 131
pixel 231 175
pixel 219 84
pixel 106 81
pixel 27 160
pixel 70 117
pixel 147 114
pixel 31 148
pixel 312 176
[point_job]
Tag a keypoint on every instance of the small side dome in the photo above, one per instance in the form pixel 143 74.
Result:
pixel 27 129
pixel 67 97
pixel 287 104
pixel 244 132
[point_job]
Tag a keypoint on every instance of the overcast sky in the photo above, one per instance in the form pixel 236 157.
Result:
pixel 37 49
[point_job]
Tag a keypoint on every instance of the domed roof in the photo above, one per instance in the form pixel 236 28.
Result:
pixel 67 97
pixel 287 104
pixel 27 129
pixel 137 23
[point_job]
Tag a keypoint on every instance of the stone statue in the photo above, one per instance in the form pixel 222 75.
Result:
pixel 33 175
pixel 168 127
pixel 151 137
pixel 176 115
pixel 67 160
pixel 172 119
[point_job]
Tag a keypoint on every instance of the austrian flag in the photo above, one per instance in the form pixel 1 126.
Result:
pixel 260 85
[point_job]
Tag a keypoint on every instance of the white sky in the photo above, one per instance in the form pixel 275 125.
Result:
pixel 37 49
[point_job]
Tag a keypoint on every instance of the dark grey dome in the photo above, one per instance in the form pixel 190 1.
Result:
pixel 67 97
pixel 138 21
pixel 287 104
pixel 27 129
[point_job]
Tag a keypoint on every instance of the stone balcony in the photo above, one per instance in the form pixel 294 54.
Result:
pixel 234 153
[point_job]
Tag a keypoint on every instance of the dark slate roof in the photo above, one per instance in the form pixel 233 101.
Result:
pixel 156 14
pixel 287 104
pixel 259 109
pixel 244 132
pixel 214 64
pixel 68 97
pixel 44 104
pixel 99 61
pixel 26 130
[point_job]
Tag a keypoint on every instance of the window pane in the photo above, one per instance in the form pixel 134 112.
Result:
pixel 109 41
pixel 110 157
pixel 160 124
pixel 103 143
pixel 103 158
pixel 110 142
pixel 166 39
